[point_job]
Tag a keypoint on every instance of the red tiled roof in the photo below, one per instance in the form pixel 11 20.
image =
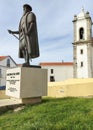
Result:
pixel 56 63
pixel 3 57
pixel 19 65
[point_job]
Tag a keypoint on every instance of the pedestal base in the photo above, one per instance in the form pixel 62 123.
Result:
pixel 26 84
pixel 33 100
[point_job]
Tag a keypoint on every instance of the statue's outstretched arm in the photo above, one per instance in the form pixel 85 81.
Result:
pixel 13 32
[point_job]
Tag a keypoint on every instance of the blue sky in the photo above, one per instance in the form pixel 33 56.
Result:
pixel 55 27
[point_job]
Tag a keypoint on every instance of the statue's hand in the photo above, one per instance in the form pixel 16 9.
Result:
pixel 10 31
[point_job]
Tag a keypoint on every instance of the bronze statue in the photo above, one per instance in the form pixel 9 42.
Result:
pixel 28 37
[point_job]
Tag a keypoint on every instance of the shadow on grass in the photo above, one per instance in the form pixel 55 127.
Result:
pixel 50 99
pixel 45 100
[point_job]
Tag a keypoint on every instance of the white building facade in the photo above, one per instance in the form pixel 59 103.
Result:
pixel 58 71
pixel 6 62
pixel 83 46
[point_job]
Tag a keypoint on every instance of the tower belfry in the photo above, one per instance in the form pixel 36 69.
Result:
pixel 83 46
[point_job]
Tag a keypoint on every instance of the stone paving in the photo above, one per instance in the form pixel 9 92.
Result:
pixel 8 102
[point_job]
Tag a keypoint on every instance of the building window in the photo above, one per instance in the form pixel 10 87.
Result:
pixel 81 64
pixel 52 71
pixel 81 33
pixel 52 79
pixel 81 51
pixel 8 62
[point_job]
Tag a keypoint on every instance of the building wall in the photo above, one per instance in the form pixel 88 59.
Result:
pixel 92 60
pixel 60 73
pixel 3 68
pixel 3 76
pixel 71 88
pixel 4 62
pixel 82 71
pixel 3 94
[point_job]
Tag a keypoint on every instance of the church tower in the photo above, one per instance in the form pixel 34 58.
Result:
pixel 83 46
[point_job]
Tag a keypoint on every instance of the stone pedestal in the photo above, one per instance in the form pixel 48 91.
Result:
pixel 26 84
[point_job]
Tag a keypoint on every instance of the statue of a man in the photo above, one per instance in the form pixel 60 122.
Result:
pixel 28 37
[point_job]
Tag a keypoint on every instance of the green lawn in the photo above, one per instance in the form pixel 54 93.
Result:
pixel 51 114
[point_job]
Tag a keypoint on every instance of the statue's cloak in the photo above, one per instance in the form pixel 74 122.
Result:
pixel 32 39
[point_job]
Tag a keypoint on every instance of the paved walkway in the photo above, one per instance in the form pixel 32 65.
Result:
pixel 8 102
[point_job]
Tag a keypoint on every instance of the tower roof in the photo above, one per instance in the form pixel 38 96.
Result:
pixel 82 15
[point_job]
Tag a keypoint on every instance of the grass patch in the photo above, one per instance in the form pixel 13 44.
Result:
pixel 51 114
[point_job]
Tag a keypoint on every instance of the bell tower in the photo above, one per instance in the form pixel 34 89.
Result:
pixel 83 46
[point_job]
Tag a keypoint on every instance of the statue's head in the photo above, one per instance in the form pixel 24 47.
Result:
pixel 28 7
